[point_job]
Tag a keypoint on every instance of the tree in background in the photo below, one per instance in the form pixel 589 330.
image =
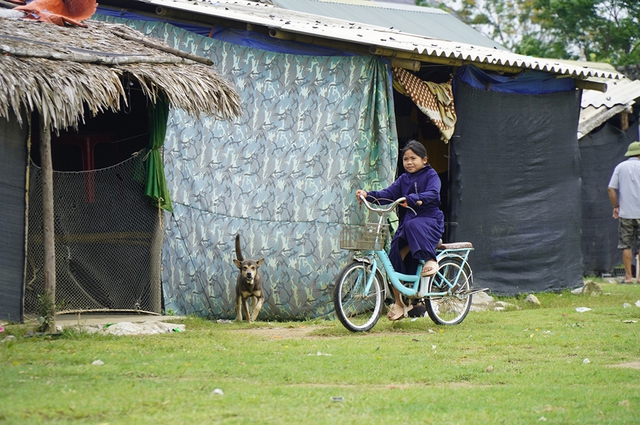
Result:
pixel 593 30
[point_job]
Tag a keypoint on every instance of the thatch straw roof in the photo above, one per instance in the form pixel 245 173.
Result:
pixel 58 71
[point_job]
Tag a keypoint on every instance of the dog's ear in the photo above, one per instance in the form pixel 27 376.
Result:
pixel 237 263
pixel 259 262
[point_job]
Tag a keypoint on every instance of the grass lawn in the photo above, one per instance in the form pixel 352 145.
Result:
pixel 529 364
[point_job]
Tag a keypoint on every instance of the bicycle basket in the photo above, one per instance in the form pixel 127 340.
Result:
pixel 371 236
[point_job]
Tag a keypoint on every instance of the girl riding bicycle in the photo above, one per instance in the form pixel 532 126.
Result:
pixel 421 227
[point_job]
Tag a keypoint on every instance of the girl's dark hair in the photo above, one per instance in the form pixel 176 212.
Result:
pixel 415 146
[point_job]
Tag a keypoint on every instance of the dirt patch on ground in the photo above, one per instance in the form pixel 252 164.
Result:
pixel 282 333
pixel 324 332
pixel 629 365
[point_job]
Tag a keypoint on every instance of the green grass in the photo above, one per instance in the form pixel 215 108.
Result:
pixel 521 366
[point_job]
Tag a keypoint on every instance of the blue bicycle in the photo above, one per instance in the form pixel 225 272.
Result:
pixel 361 286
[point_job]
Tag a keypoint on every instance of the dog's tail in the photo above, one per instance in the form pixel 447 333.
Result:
pixel 238 251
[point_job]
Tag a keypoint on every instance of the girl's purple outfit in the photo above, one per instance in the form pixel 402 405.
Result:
pixel 421 231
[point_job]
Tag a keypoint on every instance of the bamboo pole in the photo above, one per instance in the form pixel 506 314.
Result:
pixel 48 227
pixel 120 31
pixel 81 57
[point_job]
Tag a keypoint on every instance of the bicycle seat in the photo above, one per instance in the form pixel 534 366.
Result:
pixel 454 245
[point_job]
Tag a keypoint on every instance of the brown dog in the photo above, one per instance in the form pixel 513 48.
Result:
pixel 248 285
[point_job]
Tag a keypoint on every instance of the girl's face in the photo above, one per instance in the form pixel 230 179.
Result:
pixel 412 162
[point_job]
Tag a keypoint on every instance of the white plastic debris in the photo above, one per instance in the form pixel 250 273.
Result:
pixel 217 391
pixel 532 299
pixel 626 305
pixel 586 361
pixel 582 309
pixel 97 362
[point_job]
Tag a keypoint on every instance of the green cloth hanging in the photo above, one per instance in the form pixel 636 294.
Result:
pixel 156 186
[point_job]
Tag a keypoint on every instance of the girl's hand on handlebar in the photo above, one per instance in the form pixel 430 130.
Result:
pixel 359 194
pixel 404 204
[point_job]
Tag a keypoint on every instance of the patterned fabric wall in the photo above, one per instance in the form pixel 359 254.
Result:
pixel 314 129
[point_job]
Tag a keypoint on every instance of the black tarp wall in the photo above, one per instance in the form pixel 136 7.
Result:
pixel 600 152
pixel 515 188
pixel 13 165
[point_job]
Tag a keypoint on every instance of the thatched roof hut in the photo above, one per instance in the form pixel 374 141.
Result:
pixel 57 71
pixel 61 74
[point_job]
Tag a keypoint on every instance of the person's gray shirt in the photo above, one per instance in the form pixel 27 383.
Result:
pixel 626 180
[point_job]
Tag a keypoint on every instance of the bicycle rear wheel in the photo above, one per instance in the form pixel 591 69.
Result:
pixel 357 308
pixel 452 308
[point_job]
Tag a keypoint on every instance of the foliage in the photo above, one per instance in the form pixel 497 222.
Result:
pixel 47 311
pixel 547 363
pixel 592 30
pixel 504 21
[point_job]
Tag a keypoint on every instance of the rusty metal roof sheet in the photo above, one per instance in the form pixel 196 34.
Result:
pixel 383 41
pixel 411 19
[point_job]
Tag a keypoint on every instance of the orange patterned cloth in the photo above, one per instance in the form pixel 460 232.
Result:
pixel 433 99
pixel 60 12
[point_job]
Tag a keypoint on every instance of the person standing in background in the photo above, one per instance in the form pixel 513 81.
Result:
pixel 624 194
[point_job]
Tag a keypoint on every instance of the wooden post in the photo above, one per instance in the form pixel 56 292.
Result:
pixel 48 224
pixel 624 121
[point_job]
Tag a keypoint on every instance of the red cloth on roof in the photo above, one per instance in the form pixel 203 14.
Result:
pixel 60 12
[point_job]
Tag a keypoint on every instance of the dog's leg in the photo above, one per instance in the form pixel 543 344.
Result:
pixel 245 308
pixel 238 309
pixel 256 309
pixel 250 304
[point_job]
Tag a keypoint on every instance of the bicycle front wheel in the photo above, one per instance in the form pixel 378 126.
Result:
pixel 358 307
pixel 452 308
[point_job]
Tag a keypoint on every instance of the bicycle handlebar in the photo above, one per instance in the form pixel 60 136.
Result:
pixel 379 209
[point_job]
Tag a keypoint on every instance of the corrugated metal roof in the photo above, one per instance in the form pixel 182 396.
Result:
pixel 598 107
pixel 619 92
pixel 426 21
pixel 383 41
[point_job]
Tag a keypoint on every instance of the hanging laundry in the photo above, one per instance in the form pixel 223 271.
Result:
pixel 435 100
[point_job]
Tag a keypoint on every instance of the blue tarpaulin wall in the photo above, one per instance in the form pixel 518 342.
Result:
pixel 314 129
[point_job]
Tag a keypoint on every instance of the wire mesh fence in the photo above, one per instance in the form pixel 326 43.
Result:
pixel 108 241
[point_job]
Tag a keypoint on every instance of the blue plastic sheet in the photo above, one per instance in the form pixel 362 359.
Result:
pixel 241 37
pixel 526 82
